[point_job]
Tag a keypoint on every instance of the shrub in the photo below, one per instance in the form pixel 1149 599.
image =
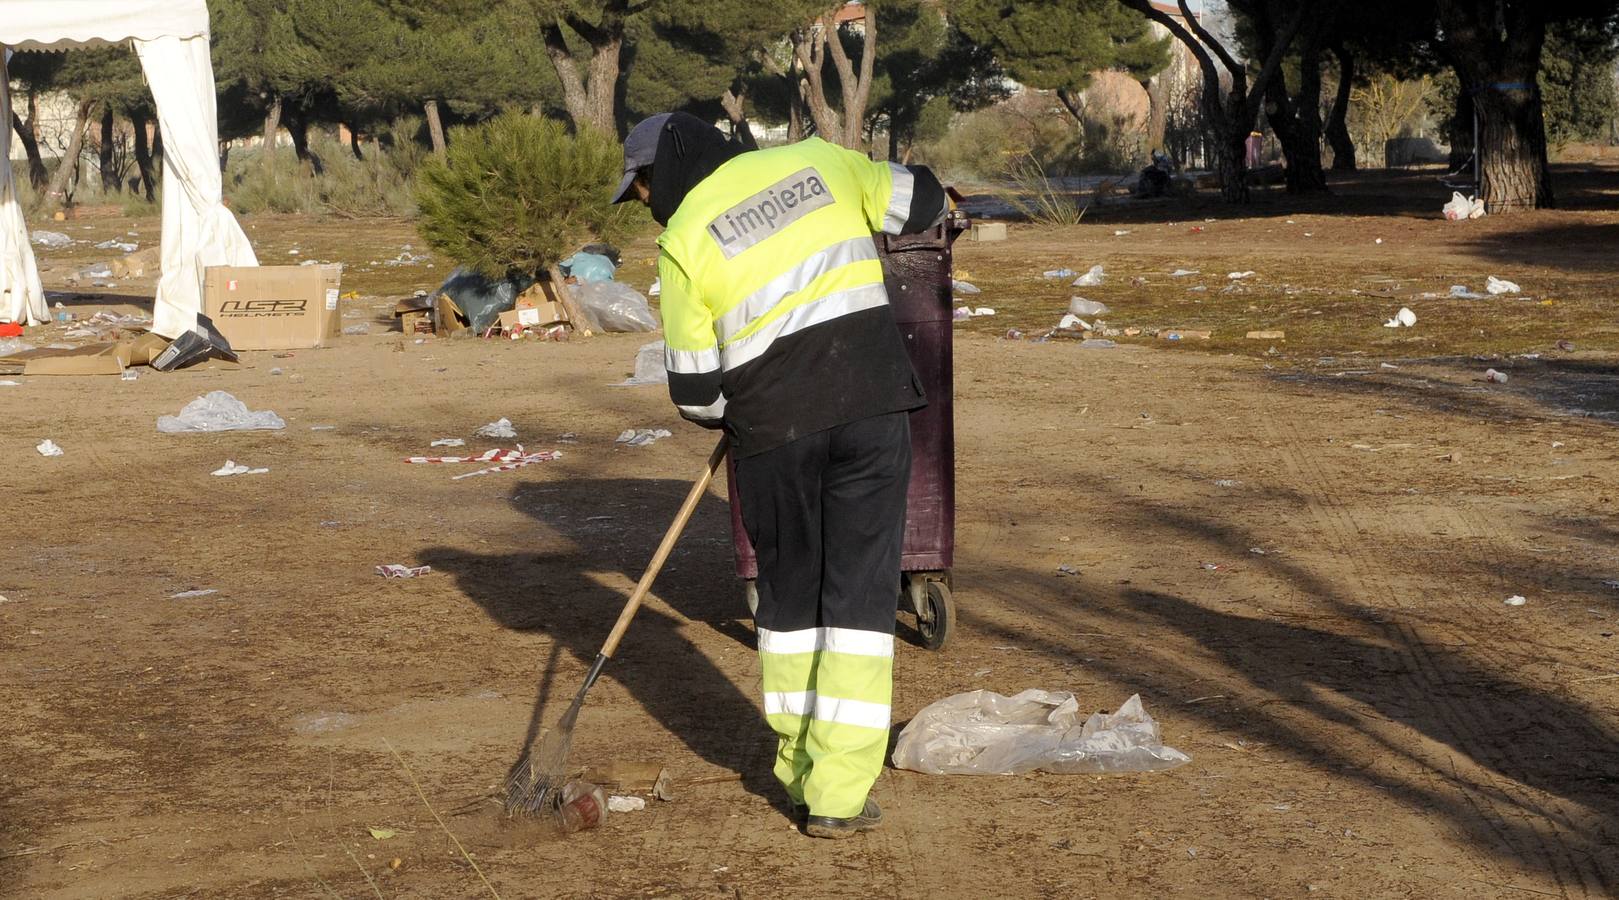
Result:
pixel 518 193
pixel 1034 196
pixel 380 184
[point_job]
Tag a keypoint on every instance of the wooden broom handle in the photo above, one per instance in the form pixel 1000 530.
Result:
pixel 693 497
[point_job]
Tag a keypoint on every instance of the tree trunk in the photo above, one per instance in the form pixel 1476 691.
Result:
pixel 104 153
pixel 795 111
pixel 1343 146
pixel 298 128
pixel 38 175
pixel 272 125
pixel 1073 104
pixel 809 46
pixel 435 126
pixel 593 98
pixel 1157 113
pixel 1496 49
pixel 354 142
pixel 1459 129
pixel 1513 171
pixel 1230 117
pixel 1297 123
pixel 603 87
pixel 574 98
pixel 56 194
pixel 735 105
pixel 143 156
pixel 1231 160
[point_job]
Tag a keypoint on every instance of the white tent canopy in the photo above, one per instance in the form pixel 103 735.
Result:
pixel 171 39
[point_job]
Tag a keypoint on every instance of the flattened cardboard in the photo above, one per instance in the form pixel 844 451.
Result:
pixel 447 317
pixel 91 359
pixel 274 307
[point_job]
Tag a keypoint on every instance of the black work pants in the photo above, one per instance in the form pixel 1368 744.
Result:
pixel 826 515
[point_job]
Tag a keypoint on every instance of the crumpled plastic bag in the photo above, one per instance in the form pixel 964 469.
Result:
pixel 1461 207
pixel 588 267
pixel 50 240
pixel 218 411
pixel 985 733
pixel 649 366
pixel 610 306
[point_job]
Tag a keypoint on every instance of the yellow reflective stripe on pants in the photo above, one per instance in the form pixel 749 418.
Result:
pixel 830 711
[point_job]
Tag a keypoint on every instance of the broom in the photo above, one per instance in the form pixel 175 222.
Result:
pixel 534 783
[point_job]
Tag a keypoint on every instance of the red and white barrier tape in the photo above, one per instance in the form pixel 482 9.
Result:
pixel 508 459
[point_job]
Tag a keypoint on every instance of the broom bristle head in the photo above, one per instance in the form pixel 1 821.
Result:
pixel 533 787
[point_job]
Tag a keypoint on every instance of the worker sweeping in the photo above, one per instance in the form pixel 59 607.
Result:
pixel 778 329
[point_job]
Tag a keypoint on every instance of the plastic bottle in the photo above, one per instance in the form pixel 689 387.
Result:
pixel 584 806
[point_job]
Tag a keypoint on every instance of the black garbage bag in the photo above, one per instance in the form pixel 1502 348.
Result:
pixel 484 299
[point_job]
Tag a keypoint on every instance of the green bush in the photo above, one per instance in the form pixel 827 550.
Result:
pixel 519 193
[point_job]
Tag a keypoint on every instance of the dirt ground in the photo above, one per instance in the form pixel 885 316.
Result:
pixel 1296 555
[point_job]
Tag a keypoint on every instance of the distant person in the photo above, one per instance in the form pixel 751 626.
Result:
pixel 778 330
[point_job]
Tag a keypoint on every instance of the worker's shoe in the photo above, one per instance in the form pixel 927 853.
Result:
pixel 834 828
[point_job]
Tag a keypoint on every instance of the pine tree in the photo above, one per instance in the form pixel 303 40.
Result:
pixel 1056 45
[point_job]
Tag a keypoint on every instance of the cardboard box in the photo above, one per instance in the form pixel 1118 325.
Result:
pixel 274 307
pixel 988 231
pixel 537 315
pixel 447 317
pixel 415 315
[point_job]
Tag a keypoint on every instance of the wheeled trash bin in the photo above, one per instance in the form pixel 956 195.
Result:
pixel 917 270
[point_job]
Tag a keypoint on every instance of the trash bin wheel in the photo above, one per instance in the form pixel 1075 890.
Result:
pixel 935 614
pixel 750 591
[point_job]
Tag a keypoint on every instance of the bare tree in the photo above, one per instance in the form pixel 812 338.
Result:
pixel 812 45
pixel 1231 116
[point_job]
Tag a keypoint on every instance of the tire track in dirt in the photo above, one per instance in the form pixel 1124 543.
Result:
pixel 1496 799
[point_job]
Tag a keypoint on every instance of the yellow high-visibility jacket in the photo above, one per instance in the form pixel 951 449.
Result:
pixel 775 316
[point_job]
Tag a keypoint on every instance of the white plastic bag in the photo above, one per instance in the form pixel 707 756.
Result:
pixel 1091 278
pixel 649 366
pixel 1461 207
pixel 218 411
pixel 50 240
pixel 985 733
pixel 1079 306
pixel 1501 286
pixel 613 307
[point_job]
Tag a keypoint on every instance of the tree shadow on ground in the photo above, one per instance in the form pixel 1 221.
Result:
pixel 1582 389
pixel 1398 695
pixel 1405 193
pixel 607 530
pixel 1570 246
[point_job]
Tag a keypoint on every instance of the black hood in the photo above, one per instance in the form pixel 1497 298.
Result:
pixel 689 150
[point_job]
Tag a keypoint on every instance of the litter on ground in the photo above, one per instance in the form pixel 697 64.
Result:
pixel 48 447
pixel 500 428
pixel 395 570
pixel 1405 318
pixel 641 437
pixel 231 467
pixel 1091 278
pixel 218 411
pixel 649 366
pixel 1500 285
pixel 985 733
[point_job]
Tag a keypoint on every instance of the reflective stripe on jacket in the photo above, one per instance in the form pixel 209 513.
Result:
pixel 775 316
